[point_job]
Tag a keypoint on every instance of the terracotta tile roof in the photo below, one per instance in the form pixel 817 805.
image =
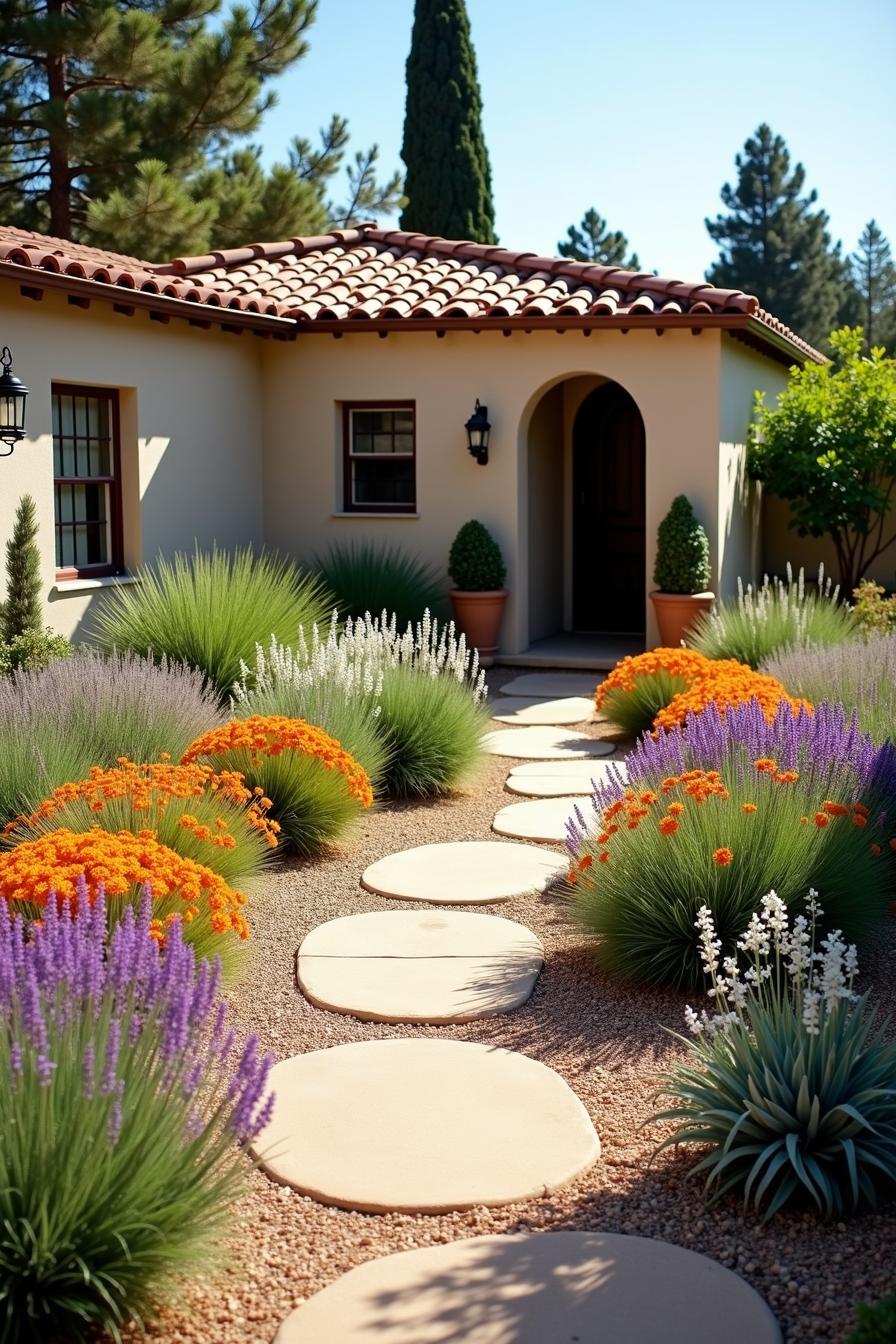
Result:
pixel 386 277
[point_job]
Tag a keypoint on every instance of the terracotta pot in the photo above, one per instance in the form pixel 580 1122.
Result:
pixel 675 613
pixel 479 616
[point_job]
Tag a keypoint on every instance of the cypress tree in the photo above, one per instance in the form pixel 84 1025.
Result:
pixel 448 182
pixel 593 240
pixel 124 123
pixel 22 609
pixel 873 299
pixel 774 244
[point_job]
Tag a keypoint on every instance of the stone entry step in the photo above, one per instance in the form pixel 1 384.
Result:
pixel 536 1288
pixel 516 709
pixel 541 819
pixel 423 1126
pixel 550 685
pixel 544 744
pixel 419 965
pixel 463 872
pixel 553 779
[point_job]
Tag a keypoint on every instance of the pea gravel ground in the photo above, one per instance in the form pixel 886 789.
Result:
pixel 609 1044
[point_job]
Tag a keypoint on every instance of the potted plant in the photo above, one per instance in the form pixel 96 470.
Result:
pixel 681 572
pixel 477 567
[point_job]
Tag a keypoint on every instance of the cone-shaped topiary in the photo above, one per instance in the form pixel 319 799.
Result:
pixel 21 611
pixel 475 562
pixel 682 554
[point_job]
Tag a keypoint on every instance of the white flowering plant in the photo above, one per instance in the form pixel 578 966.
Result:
pixel 790 1080
pixel 408 705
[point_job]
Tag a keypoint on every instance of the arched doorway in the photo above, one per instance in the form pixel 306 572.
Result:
pixel 608 500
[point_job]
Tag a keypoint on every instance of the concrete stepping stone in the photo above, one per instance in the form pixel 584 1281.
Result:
pixel 544 744
pixel 554 684
pixel 463 872
pixel 419 965
pixel 537 1288
pixel 552 779
pixel 423 1126
pixel 517 709
pixel 541 819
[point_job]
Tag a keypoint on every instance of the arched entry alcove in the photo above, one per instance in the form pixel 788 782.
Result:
pixel 585 475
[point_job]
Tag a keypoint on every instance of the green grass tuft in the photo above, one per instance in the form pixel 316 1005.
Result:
pixel 367 576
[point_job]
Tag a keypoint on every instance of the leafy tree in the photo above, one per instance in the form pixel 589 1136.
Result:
pixel 829 447
pixel 873 277
pixel 592 240
pixel 125 124
pixel 22 609
pixel 448 182
pixel 774 244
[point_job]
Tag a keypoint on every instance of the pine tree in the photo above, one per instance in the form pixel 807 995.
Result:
pixel 774 244
pixel 592 240
pixel 448 181
pixel 22 608
pixel 873 298
pixel 125 124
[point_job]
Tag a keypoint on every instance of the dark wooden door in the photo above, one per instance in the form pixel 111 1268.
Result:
pixel 608 513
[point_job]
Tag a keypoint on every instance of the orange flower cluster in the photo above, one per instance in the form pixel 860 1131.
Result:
pixel 723 682
pixel 151 788
pixel 270 735
pixel 122 862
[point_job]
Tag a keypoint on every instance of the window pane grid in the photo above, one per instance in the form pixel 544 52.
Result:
pixel 84 470
pixel 380 458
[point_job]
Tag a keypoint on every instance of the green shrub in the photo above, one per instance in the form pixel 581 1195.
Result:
pixel 634 711
pixel 21 613
pixel 433 728
pixel 875 1322
pixel 762 621
pixel 682 552
pixel 33 650
pixel 874 611
pixel 475 562
pixel 88 710
pixel 373 577
pixel 861 675
pixel 209 610
pixel 790 1080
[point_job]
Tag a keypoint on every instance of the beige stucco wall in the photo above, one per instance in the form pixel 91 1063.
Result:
pixel 191 439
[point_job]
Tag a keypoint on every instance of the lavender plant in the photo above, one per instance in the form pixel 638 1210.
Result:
pixel 861 674
pixel 789 1078
pixel 775 616
pixel 87 710
pixel 126 1106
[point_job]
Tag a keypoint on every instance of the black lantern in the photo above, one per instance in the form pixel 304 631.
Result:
pixel 12 405
pixel 478 430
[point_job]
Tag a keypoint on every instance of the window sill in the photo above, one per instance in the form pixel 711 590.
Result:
pixel 360 513
pixel 86 585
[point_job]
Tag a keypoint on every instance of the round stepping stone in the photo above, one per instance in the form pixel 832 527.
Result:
pixel 419 965
pixel 541 819
pixel 463 872
pixel 553 779
pixel 536 1288
pixel 544 744
pixel 517 709
pixel 552 684
pixel 423 1126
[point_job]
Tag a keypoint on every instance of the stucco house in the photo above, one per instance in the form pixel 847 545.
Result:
pixel 299 392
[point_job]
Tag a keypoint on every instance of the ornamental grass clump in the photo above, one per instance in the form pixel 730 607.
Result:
pixel 89 710
pixel 370 576
pixel 789 1080
pixel 210 609
pixel 861 674
pixel 801 799
pixel 66 865
pixel 316 788
pixel 126 1107
pixel 209 817
pixel 762 621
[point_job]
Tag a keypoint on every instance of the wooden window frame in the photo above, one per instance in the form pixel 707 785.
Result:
pixel 348 456
pixel 115 564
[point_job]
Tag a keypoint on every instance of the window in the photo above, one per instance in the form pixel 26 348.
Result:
pixel 380 474
pixel 86 473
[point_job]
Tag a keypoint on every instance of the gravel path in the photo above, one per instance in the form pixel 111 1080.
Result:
pixel 607 1042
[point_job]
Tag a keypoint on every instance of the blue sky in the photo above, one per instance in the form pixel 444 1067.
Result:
pixel 637 108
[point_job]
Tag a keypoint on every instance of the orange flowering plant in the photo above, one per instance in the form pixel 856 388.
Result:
pixel 211 912
pixel 660 688
pixel 660 849
pixel 208 816
pixel 315 787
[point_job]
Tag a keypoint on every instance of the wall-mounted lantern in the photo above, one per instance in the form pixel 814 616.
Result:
pixel 478 430
pixel 12 405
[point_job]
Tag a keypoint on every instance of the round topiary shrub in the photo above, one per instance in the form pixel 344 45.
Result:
pixel 475 562
pixel 682 555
